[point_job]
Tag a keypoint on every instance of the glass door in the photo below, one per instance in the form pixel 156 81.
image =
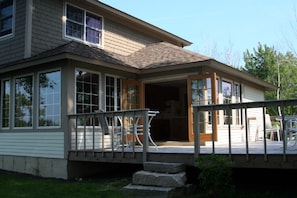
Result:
pixel 133 95
pixel 202 91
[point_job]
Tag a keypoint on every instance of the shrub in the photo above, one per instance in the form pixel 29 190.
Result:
pixel 215 175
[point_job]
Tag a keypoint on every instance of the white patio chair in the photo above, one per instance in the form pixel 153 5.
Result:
pixel 270 130
pixel 117 132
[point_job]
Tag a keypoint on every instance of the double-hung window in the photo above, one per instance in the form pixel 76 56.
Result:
pixel 6 17
pixel 83 25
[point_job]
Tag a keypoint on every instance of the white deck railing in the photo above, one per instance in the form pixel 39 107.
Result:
pixel 244 108
pixel 110 131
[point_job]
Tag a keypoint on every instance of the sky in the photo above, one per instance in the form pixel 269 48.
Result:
pixel 221 29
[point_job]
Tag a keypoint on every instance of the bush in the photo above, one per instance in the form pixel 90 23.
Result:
pixel 215 175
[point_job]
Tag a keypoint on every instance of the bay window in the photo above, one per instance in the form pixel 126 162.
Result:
pixel 23 102
pixel 49 99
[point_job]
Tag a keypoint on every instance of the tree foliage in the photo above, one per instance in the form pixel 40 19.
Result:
pixel 276 68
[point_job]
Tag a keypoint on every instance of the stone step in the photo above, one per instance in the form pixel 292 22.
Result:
pixel 140 191
pixel 162 167
pixel 149 178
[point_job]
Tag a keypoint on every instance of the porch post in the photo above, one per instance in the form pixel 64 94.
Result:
pixel 196 130
pixel 145 135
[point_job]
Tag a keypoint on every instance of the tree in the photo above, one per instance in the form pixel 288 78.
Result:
pixel 276 68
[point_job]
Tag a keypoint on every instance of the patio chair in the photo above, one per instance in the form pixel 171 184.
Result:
pixel 106 129
pixel 270 130
pixel 291 133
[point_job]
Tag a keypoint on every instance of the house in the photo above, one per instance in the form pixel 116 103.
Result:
pixel 65 57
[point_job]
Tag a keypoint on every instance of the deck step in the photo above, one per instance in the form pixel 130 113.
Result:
pixel 159 179
pixel 163 167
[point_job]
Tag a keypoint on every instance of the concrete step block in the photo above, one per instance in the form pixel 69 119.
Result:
pixel 140 191
pixel 159 179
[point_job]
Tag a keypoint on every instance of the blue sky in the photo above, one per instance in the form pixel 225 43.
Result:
pixel 218 28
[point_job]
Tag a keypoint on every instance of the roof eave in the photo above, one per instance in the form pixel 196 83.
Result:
pixel 218 66
pixel 135 23
pixel 63 56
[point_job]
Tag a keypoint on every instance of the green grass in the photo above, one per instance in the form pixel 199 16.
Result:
pixel 14 185
pixel 18 185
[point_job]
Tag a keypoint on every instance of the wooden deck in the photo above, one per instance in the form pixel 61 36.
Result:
pixel 246 154
pixel 252 156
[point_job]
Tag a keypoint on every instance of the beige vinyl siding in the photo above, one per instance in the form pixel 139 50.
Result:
pixel 47 31
pixel 252 94
pixel 33 144
pixel 12 47
pixel 121 40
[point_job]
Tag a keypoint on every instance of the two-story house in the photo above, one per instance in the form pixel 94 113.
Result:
pixel 62 57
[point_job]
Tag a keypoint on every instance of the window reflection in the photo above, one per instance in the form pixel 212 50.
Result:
pixel 23 102
pixel 50 99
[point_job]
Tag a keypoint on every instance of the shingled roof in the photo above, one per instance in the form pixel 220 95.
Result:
pixel 152 56
pixel 163 54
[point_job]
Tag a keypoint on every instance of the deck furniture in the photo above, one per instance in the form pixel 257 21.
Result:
pixel 270 130
pixel 135 126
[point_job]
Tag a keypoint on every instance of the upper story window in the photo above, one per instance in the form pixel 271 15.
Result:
pixel 83 25
pixel 6 17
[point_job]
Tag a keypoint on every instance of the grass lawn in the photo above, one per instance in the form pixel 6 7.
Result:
pixel 248 184
pixel 18 185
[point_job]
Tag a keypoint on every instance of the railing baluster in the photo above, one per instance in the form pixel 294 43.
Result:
pixel 247 131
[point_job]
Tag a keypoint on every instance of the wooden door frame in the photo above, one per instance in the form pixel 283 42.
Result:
pixel 208 136
pixel 124 94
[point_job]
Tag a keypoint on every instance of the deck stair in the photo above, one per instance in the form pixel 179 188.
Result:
pixel 159 179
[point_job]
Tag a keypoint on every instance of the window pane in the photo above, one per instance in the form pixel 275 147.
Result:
pixel 5 103
pixel 23 101
pixel 227 96
pixel 74 30
pixel 6 14
pixel 50 99
pixel 75 14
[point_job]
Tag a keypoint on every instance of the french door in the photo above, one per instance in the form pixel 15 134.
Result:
pixel 202 91
pixel 133 95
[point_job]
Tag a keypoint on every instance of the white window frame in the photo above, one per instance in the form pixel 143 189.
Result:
pixel 38 98
pixel 115 95
pixel 75 89
pixel 13 23
pixel 237 113
pixel 100 44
